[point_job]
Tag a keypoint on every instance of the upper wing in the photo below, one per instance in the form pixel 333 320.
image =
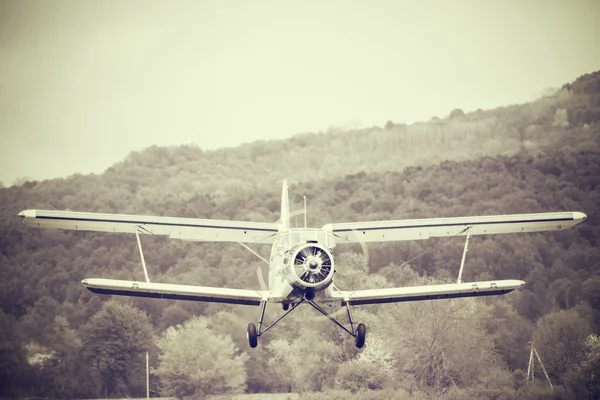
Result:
pixel 413 229
pixel 427 292
pixel 178 292
pixel 176 228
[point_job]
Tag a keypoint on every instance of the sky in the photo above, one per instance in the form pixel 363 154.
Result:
pixel 84 83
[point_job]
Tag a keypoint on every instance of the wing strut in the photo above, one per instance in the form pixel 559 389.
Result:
pixel 139 242
pixel 253 252
pixel 464 256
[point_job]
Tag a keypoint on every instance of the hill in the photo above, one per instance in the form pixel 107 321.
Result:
pixel 540 156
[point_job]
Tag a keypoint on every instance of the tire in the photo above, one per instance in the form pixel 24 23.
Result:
pixel 286 306
pixel 361 335
pixel 252 335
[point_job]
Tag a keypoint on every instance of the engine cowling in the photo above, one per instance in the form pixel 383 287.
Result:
pixel 310 266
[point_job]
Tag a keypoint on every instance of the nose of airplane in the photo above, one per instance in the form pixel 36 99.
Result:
pixel 84 282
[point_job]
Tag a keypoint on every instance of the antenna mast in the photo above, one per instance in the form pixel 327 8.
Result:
pixel 304 211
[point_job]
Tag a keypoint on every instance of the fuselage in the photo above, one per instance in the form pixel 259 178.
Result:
pixel 301 262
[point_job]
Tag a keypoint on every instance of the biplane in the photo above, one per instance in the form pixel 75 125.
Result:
pixel 301 264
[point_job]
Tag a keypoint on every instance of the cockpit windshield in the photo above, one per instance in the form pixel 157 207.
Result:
pixel 308 235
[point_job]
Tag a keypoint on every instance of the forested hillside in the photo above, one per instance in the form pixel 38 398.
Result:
pixel 58 340
pixel 186 171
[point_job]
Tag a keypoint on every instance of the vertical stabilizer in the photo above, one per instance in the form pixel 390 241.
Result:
pixel 285 206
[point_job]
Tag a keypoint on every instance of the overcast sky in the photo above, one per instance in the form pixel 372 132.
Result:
pixel 83 83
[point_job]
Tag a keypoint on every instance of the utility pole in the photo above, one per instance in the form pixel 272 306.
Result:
pixel 147 377
pixel 531 366
pixel 442 138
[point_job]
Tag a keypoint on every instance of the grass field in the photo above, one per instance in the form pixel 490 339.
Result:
pixel 244 396
pixel 257 396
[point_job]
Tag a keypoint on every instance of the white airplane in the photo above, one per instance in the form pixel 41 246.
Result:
pixel 301 267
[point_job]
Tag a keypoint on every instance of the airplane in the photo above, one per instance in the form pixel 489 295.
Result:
pixel 301 265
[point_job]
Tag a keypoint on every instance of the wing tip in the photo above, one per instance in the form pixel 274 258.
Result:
pixel 579 216
pixel 27 214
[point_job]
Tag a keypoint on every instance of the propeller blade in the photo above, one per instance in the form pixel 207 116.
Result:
pixel 261 279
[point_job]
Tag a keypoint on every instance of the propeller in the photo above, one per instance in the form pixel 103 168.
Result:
pixel 312 265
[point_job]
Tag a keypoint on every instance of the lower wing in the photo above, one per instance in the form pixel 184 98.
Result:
pixel 427 292
pixel 178 292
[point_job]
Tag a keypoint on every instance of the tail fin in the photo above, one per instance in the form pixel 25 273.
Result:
pixel 285 206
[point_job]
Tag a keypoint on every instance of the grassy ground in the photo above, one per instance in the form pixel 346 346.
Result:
pixel 253 396
pixel 257 396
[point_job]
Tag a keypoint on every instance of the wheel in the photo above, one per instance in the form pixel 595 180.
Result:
pixel 286 306
pixel 252 335
pixel 361 334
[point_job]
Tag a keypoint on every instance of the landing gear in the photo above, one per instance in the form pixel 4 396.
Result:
pixel 361 334
pixel 252 335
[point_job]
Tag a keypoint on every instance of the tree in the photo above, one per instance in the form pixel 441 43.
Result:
pixel 12 357
pixel 457 112
pixel 195 361
pixel 115 339
pixel 39 358
pixel 510 332
pixel 560 341
pixel 585 379
pixel 65 365
pixel 373 368
pixel 41 314
pixel 441 344
pixel 172 315
pixel 352 273
pixel 561 119
pixel 309 361
pixel 591 292
pixel 58 365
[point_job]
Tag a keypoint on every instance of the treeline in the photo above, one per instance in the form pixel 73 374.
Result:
pixel 58 340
